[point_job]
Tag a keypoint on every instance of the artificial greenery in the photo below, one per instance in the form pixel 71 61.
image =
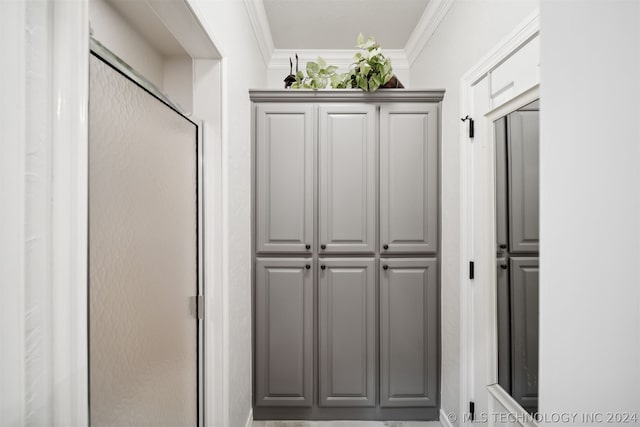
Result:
pixel 318 75
pixel 370 70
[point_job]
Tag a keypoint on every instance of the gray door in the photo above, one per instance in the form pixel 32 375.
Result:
pixel 347 322
pixel 143 257
pixel 409 332
pixel 408 178
pixel 524 324
pixel 347 179
pixel 523 133
pixel 284 331
pixel 284 177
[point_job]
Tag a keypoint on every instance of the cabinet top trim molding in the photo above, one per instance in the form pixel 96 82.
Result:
pixel 381 95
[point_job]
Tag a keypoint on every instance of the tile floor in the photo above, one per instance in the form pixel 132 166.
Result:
pixel 346 424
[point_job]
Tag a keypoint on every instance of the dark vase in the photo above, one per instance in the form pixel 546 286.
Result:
pixel 393 83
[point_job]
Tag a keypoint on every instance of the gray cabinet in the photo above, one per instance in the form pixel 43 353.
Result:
pixel 347 178
pixel 284 331
pixel 524 322
pixel 408 332
pixel 347 329
pixel 284 177
pixel 346 173
pixel 408 178
pixel 523 134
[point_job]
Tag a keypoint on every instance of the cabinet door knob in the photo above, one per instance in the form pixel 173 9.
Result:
pixel 323 246
pixel 503 246
pixel 385 267
pixel 503 266
pixel 308 266
pixel 323 267
pixel 307 246
pixel 385 246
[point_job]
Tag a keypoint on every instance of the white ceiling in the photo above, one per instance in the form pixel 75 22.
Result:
pixel 335 24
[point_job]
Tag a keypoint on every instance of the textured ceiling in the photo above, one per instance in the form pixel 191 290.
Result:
pixel 335 24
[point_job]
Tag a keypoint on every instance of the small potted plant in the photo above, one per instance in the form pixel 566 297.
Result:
pixel 371 69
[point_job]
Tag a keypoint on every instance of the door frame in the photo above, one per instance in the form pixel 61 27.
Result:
pixel 471 230
pixel 60 338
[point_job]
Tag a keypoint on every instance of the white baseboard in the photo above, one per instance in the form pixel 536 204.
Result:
pixel 249 422
pixel 444 419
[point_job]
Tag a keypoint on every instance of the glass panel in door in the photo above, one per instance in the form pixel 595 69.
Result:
pixel 143 257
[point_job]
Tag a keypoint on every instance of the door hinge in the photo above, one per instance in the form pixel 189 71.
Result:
pixel 472 269
pixel 471 125
pixel 472 411
pixel 197 306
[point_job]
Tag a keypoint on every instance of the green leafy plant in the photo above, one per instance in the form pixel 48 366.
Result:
pixel 371 68
pixel 319 74
pixel 370 71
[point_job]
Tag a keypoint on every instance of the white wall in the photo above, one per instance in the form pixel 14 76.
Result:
pixel 228 23
pixel 110 29
pixel 590 207
pixel 468 32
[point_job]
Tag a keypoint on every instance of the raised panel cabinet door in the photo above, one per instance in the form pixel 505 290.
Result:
pixel 524 330
pixel 284 177
pixel 284 332
pixel 347 178
pixel 523 170
pixel 347 322
pixel 409 178
pixel 409 349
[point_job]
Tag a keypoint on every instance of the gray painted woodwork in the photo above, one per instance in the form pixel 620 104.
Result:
pixel 345 95
pixel 284 177
pixel 347 178
pixel 408 333
pixel 329 141
pixel 502 215
pixel 284 332
pixel 408 178
pixel 347 332
pixel 504 324
pixel 523 171
pixel 524 324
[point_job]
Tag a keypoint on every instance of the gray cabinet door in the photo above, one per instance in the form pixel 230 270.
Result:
pixel 347 319
pixel 409 333
pixel 524 330
pixel 408 178
pixel 523 134
pixel 347 178
pixel 284 332
pixel 284 177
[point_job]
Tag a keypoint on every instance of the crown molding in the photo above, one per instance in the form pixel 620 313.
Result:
pixel 342 58
pixel 278 59
pixel 432 17
pixel 260 25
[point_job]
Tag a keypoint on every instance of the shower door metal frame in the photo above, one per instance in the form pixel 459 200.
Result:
pixel 120 66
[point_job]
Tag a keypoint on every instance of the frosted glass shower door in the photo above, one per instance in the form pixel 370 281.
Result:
pixel 143 269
